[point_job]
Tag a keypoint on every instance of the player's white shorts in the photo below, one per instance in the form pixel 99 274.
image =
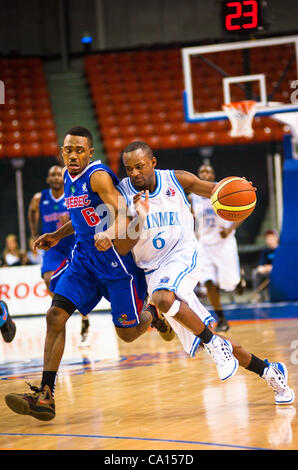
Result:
pixel 179 273
pixel 220 264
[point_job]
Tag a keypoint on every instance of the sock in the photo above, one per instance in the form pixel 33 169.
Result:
pixel 3 314
pixel 49 379
pixel 257 365
pixel 220 314
pixel 206 335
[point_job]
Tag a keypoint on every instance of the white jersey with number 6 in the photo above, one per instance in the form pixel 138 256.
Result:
pixel 169 224
pixel 167 249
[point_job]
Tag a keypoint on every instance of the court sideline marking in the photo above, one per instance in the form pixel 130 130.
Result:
pixel 177 441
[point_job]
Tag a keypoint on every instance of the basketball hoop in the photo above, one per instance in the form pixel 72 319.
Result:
pixel 241 114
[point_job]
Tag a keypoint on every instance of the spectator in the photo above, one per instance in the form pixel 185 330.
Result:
pixel 12 254
pixel 261 274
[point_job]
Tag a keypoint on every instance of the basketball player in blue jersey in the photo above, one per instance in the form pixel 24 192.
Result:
pixel 92 199
pixel 47 211
pixel 167 251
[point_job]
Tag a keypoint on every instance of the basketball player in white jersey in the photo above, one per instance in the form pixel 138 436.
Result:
pixel 166 249
pixel 219 266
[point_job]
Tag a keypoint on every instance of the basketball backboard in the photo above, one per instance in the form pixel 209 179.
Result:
pixel 263 70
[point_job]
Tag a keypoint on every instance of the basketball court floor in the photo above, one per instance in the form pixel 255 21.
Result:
pixel 148 395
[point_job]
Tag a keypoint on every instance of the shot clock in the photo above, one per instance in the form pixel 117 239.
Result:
pixel 243 16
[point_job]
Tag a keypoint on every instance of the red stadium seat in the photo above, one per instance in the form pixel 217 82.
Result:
pixel 170 141
pixel 111 132
pixel 27 113
pixel 30 124
pixel 14 150
pixel 47 135
pixel 32 149
pixel 10 114
pixel 49 149
pixel 14 125
pixel 45 123
pixel 189 140
pixel 13 137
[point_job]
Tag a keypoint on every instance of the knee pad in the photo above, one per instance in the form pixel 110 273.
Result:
pixel 174 309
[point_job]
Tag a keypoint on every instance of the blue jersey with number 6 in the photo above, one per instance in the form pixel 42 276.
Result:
pixel 91 274
pixel 88 212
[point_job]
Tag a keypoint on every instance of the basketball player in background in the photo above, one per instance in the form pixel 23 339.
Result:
pixel 48 210
pixel 219 267
pixel 166 250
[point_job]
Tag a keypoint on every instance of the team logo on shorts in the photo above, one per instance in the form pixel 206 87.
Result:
pixel 124 322
pixel 170 192
pixel 164 280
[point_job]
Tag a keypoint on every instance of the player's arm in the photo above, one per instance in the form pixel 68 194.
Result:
pixel 192 184
pixel 117 233
pixel 34 215
pixel 48 240
pixel 225 231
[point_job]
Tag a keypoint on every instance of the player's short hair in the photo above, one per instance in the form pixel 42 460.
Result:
pixel 81 132
pixel 138 145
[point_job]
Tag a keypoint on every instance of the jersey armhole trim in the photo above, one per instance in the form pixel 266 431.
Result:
pixel 178 185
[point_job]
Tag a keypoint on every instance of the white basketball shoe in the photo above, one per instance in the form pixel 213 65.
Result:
pixel 276 376
pixel 221 352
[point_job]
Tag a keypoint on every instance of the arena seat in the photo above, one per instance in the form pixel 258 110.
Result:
pixel 26 118
pixel 139 93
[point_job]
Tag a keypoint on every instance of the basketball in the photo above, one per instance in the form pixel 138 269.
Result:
pixel 233 199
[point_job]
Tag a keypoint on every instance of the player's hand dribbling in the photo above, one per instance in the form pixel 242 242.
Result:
pixel 45 241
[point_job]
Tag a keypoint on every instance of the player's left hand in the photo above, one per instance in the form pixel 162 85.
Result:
pixel 224 232
pixel 102 241
pixel 142 205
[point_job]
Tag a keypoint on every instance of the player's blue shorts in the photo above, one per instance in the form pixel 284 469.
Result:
pixel 91 275
pixel 52 258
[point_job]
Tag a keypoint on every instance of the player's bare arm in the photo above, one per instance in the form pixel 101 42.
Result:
pixel 48 240
pixel 192 184
pixel 101 182
pixel 225 231
pixel 34 215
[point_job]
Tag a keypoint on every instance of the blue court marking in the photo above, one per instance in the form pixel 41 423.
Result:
pixel 176 441
pixel 261 311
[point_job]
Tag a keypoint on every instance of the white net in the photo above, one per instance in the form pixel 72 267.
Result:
pixel 241 114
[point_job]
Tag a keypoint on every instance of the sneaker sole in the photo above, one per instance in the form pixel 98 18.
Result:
pixel 223 329
pixel 236 365
pixel 21 407
pixel 286 402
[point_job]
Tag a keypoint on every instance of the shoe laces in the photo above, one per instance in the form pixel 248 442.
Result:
pixel 219 351
pixel 276 381
pixel 34 389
